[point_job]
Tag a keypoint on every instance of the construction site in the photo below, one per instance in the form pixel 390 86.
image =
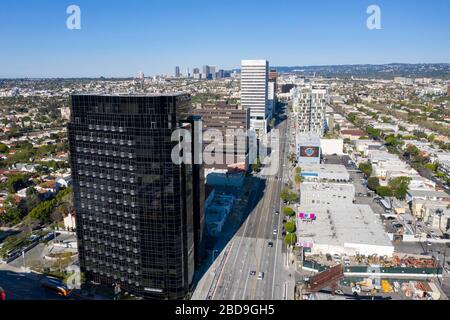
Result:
pixel 378 278
pixel 396 261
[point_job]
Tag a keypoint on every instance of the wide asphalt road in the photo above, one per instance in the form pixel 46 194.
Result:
pixel 21 286
pixel 251 251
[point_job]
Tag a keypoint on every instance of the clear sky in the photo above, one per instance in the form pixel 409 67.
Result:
pixel 123 37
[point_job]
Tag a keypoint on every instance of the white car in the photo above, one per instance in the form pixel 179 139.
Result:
pixel 275 232
pixel 261 276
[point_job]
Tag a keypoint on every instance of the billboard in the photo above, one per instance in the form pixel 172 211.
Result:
pixel 310 152
pixel 307 216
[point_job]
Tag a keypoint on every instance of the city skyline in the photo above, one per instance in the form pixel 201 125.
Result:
pixel 40 45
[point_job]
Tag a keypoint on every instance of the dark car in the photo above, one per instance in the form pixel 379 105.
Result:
pixel 50 236
pixel 253 273
pixel 270 244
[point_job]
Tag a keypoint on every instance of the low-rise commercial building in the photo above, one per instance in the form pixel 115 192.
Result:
pixel 332 146
pixel 343 228
pixel 308 148
pixel 325 173
pixel 326 193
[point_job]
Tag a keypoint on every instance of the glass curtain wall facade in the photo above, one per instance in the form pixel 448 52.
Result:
pixel 139 216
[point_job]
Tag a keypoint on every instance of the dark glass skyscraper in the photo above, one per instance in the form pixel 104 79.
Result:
pixel 139 216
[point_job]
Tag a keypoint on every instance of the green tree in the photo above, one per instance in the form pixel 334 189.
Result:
pixel 43 211
pixel 288 196
pixel 257 165
pixel 366 168
pixel 337 127
pixel 432 166
pixel 32 200
pixel 392 141
pixel 412 150
pixel 384 191
pixel 399 187
pixel 290 239
pixel 13 214
pixel 298 179
pixel 16 182
pixel 290 227
pixel 3 148
pixel 289 212
pixel 374 133
pixel 352 117
pixel 373 183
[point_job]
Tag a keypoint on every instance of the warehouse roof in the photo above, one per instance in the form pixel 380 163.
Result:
pixel 343 224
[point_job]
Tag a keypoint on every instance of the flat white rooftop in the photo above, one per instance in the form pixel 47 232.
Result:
pixel 324 168
pixel 344 226
pixel 324 186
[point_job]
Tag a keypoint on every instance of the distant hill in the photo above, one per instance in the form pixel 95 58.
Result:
pixel 384 71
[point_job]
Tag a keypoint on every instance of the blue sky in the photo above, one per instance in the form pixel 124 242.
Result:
pixel 123 37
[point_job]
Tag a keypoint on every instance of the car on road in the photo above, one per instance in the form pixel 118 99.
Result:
pixel 50 236
pixel 252 273
pixel 277 213
pixel 261 276
pixel 275 232
pixel 56 286
pixel 346 261
pixel 270 244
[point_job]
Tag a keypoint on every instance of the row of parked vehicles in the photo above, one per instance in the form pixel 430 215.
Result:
pixel 339 259
pixel 33 241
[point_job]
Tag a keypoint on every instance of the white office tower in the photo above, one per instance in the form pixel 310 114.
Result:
pixel 254 87
pixel 309 105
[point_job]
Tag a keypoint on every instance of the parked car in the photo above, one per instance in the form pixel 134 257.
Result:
pixel 50 236
pixel 261 276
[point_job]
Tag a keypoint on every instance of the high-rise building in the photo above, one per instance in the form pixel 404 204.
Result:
pixel 196 73
pixel 212 73
pixel 309 106
pixel 177 72
pixel 139 215
pixel 254 91
pixel 227 118
pixel 206 72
